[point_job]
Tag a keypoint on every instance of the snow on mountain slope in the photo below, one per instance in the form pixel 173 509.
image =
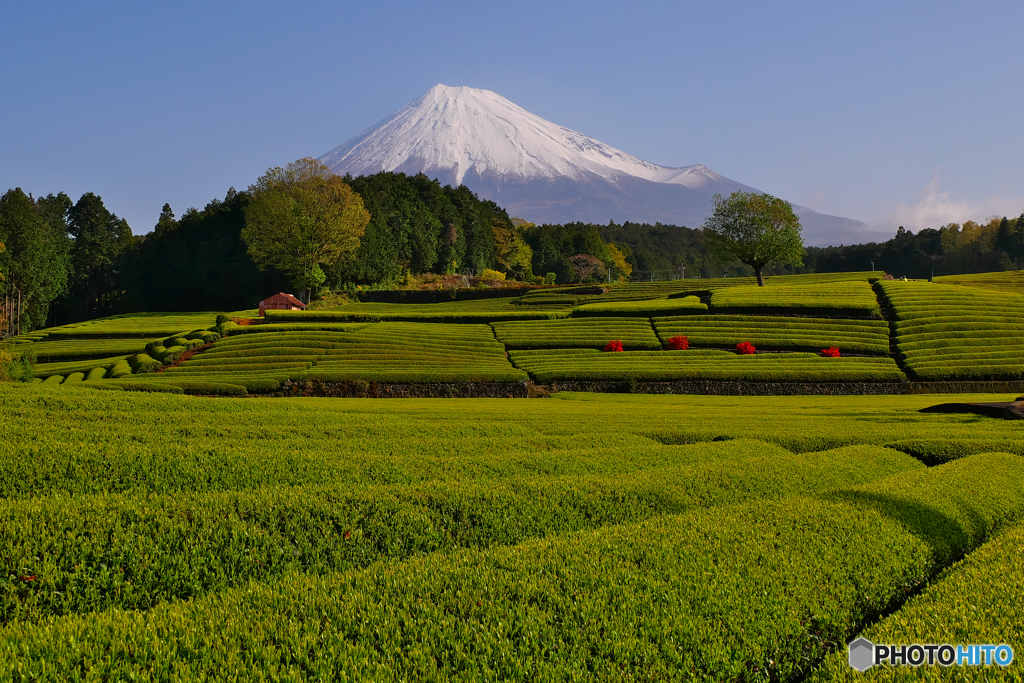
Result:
pixel 539 170
pixel 459 128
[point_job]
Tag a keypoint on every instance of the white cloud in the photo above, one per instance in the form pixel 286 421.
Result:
pixel 934 209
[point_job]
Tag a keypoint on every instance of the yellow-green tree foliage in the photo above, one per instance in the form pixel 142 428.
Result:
pixel 514 255
pixel 302 217
pixel 619 262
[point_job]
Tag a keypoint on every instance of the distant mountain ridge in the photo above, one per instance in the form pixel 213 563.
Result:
pixel 544 172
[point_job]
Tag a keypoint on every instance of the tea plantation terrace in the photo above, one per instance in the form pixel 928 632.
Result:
pixel 885 332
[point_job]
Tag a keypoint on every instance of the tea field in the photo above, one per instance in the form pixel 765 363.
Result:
pixel 155 536
pixel 877 332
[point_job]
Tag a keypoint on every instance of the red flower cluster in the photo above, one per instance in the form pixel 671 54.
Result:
pixel 678 343
pixel 614 345
pixel 831 352
pixel 745 348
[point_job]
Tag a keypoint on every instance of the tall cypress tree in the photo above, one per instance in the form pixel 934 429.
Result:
pixel 35 262
pixel 99 239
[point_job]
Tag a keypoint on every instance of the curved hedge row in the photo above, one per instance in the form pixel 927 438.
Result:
pixel 44 370
pixel 182 545
pixel 383 352
pixel 977 601
pixel 661 596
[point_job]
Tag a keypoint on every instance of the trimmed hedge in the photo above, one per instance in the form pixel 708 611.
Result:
pixel 142 363
pixel 754 590
pixel 415 314
pixel 66 368
pixel 119 369
pixel 642 308
pixel 776 332
pixel 977 601
pixel 595 333
pixel 555 365
pixel 181 545
pixel 852 297
pixel 949 332
pixel 96 373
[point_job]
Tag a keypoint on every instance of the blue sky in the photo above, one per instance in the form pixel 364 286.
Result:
pixel 886 112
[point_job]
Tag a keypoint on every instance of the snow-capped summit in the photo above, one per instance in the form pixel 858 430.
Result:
pixel 456 129
pixel 536 169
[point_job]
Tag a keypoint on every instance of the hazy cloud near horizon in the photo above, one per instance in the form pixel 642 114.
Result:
pixel 934 208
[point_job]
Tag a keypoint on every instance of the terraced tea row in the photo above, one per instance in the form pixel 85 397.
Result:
pixel 180 546
pixel 952 332
pixel 673 590
pixel 634 333
pixel 775 332
pixel 852 298
pixel 977 601
pixel 382 352
pixel 555 365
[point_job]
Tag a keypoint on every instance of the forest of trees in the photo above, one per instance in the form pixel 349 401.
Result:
pixel 71 261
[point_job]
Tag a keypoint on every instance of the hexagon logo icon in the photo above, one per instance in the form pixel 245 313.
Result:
pixel 862 654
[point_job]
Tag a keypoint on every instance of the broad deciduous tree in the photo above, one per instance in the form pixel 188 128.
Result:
pixel 585 266
pixel 757 229
pixel 302 217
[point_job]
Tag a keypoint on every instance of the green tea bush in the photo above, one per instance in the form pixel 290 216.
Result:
pixel 154 385
pixel 595 333
pixel 96 373
pixel 142 363
pixel 206 336
pixel 121 368
pixel 975 601
pixel 171 354
pixel 415 314
pixel 836 298
pixel 583 365
pixel 950 332
pixel 758 589
pixel 689 304
pixel 74 377
pixel 777 332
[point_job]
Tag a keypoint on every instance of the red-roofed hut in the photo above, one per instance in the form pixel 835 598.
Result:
pixel 281 302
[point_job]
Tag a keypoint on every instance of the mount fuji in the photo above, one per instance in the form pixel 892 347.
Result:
pixel 543 172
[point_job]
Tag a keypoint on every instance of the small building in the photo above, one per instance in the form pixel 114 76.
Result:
pixel 281 302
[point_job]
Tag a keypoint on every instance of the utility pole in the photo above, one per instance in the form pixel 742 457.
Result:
pixel 872 266
pixel 682 271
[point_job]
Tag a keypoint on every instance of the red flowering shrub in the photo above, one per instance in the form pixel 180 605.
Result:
pixel 614 345
pixel 678 343
pixel 831 352
pixel 745 348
